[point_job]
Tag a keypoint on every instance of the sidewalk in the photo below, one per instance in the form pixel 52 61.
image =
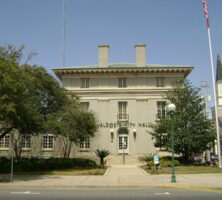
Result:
pixel 121 176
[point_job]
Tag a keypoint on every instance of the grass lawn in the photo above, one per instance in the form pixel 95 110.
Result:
pixel 68 172
pixel 186 170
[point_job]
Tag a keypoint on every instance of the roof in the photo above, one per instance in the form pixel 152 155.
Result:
pixel 122 68
pixel 122 65
pixel 219 69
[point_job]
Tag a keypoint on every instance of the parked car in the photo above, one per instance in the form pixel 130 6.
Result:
pixel 196 158
pixel 213 157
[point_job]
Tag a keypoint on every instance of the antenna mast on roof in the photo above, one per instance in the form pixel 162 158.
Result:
pixel 64 32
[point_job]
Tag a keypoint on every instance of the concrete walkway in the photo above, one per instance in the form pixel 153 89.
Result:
pixel 120 176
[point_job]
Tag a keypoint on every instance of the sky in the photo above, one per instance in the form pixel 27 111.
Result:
pixel 173 30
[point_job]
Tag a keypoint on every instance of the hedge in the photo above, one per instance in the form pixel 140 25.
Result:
pixel 45 164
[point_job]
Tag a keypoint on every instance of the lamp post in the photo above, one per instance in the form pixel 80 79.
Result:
pixel 171 111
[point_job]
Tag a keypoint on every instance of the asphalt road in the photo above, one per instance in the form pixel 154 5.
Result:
pixel 106 194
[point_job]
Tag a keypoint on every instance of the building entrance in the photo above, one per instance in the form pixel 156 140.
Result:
pixel 123 140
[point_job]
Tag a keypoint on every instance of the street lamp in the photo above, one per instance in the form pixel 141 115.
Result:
pixel 171 111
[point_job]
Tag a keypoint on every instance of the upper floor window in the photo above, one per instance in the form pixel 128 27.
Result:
pixel 26 141
pixel 122 110
pixel 47 142
pixel 85 105
pixel 4 142
pixel 85 83
pixel 161 109
pixel 85 144
pixel 159 82
pixel 122 83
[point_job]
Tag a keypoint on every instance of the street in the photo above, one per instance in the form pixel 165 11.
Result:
pixel 9 193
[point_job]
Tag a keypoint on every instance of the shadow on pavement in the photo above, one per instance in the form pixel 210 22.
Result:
pixel 5 178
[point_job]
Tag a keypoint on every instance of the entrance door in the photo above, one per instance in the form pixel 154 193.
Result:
pixel 123 144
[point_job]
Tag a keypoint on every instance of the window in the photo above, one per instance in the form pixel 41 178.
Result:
pixel 85 83
pixel 122 82
pixel 47 142
pixel 159 82
pixel 85 105
pixel 85 144
pixel 26 142
pixel 161 109
pixel 4 142
pixel 122 111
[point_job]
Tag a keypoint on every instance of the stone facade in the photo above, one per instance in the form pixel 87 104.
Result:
pixel 125 97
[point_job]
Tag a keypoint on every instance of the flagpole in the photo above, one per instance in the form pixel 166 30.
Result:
pixel 215 99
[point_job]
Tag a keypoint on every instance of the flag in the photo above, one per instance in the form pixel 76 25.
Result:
pixel 206 13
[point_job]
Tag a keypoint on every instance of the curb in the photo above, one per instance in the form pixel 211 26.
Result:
pixel 191 188
pixel 107 171
pixel 143 171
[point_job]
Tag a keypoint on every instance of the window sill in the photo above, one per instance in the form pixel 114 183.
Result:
pixel 26 149
pixel 84 150
pixel 47 150
pixel 4 149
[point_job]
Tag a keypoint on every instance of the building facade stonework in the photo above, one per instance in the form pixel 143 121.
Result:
pixel 125 97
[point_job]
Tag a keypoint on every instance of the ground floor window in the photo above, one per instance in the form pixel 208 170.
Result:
pixel 26 142
pixel 4 142
pixel 47 142
pixel 85 144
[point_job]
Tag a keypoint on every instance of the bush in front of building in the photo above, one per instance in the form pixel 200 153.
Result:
pixel 164 162
pixel 102 153
pixel 45 164
pixel 5 165
pixel 146 158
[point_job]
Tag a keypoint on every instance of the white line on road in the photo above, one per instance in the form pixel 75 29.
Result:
pixel 27 192
pixel 163 193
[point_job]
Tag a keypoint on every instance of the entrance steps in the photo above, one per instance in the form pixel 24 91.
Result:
pixel 118 160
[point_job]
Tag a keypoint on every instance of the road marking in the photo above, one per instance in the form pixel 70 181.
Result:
pixel 163 193
pixel 27 192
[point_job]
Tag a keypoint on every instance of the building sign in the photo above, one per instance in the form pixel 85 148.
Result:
pixel 118 125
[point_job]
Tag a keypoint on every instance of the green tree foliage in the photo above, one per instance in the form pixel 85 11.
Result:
pixel 102 153
pixel 193 131
pixel 32 101
pixel 11 88
pixel 28 94
pixel 73 124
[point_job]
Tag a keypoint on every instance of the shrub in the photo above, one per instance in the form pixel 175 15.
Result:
pixel 5 165
pixel 164 162
pixel 146 158
pixel 42 164
pixel 102 153
pixel 168 163
pixel 150 164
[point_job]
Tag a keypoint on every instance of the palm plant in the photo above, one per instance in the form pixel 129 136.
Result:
pixel 102 153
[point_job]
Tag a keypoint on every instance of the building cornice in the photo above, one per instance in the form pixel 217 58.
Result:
pixel 185 70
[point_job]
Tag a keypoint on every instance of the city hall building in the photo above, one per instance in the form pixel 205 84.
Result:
pixel 125 97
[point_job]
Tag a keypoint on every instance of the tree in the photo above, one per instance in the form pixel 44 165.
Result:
pixel 11 87
pixel 193 131
pixel 32 102
pixel 72 125
pixel 29 95
pixel 102 153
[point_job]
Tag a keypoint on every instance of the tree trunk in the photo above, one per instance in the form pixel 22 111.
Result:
pixel 102 162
